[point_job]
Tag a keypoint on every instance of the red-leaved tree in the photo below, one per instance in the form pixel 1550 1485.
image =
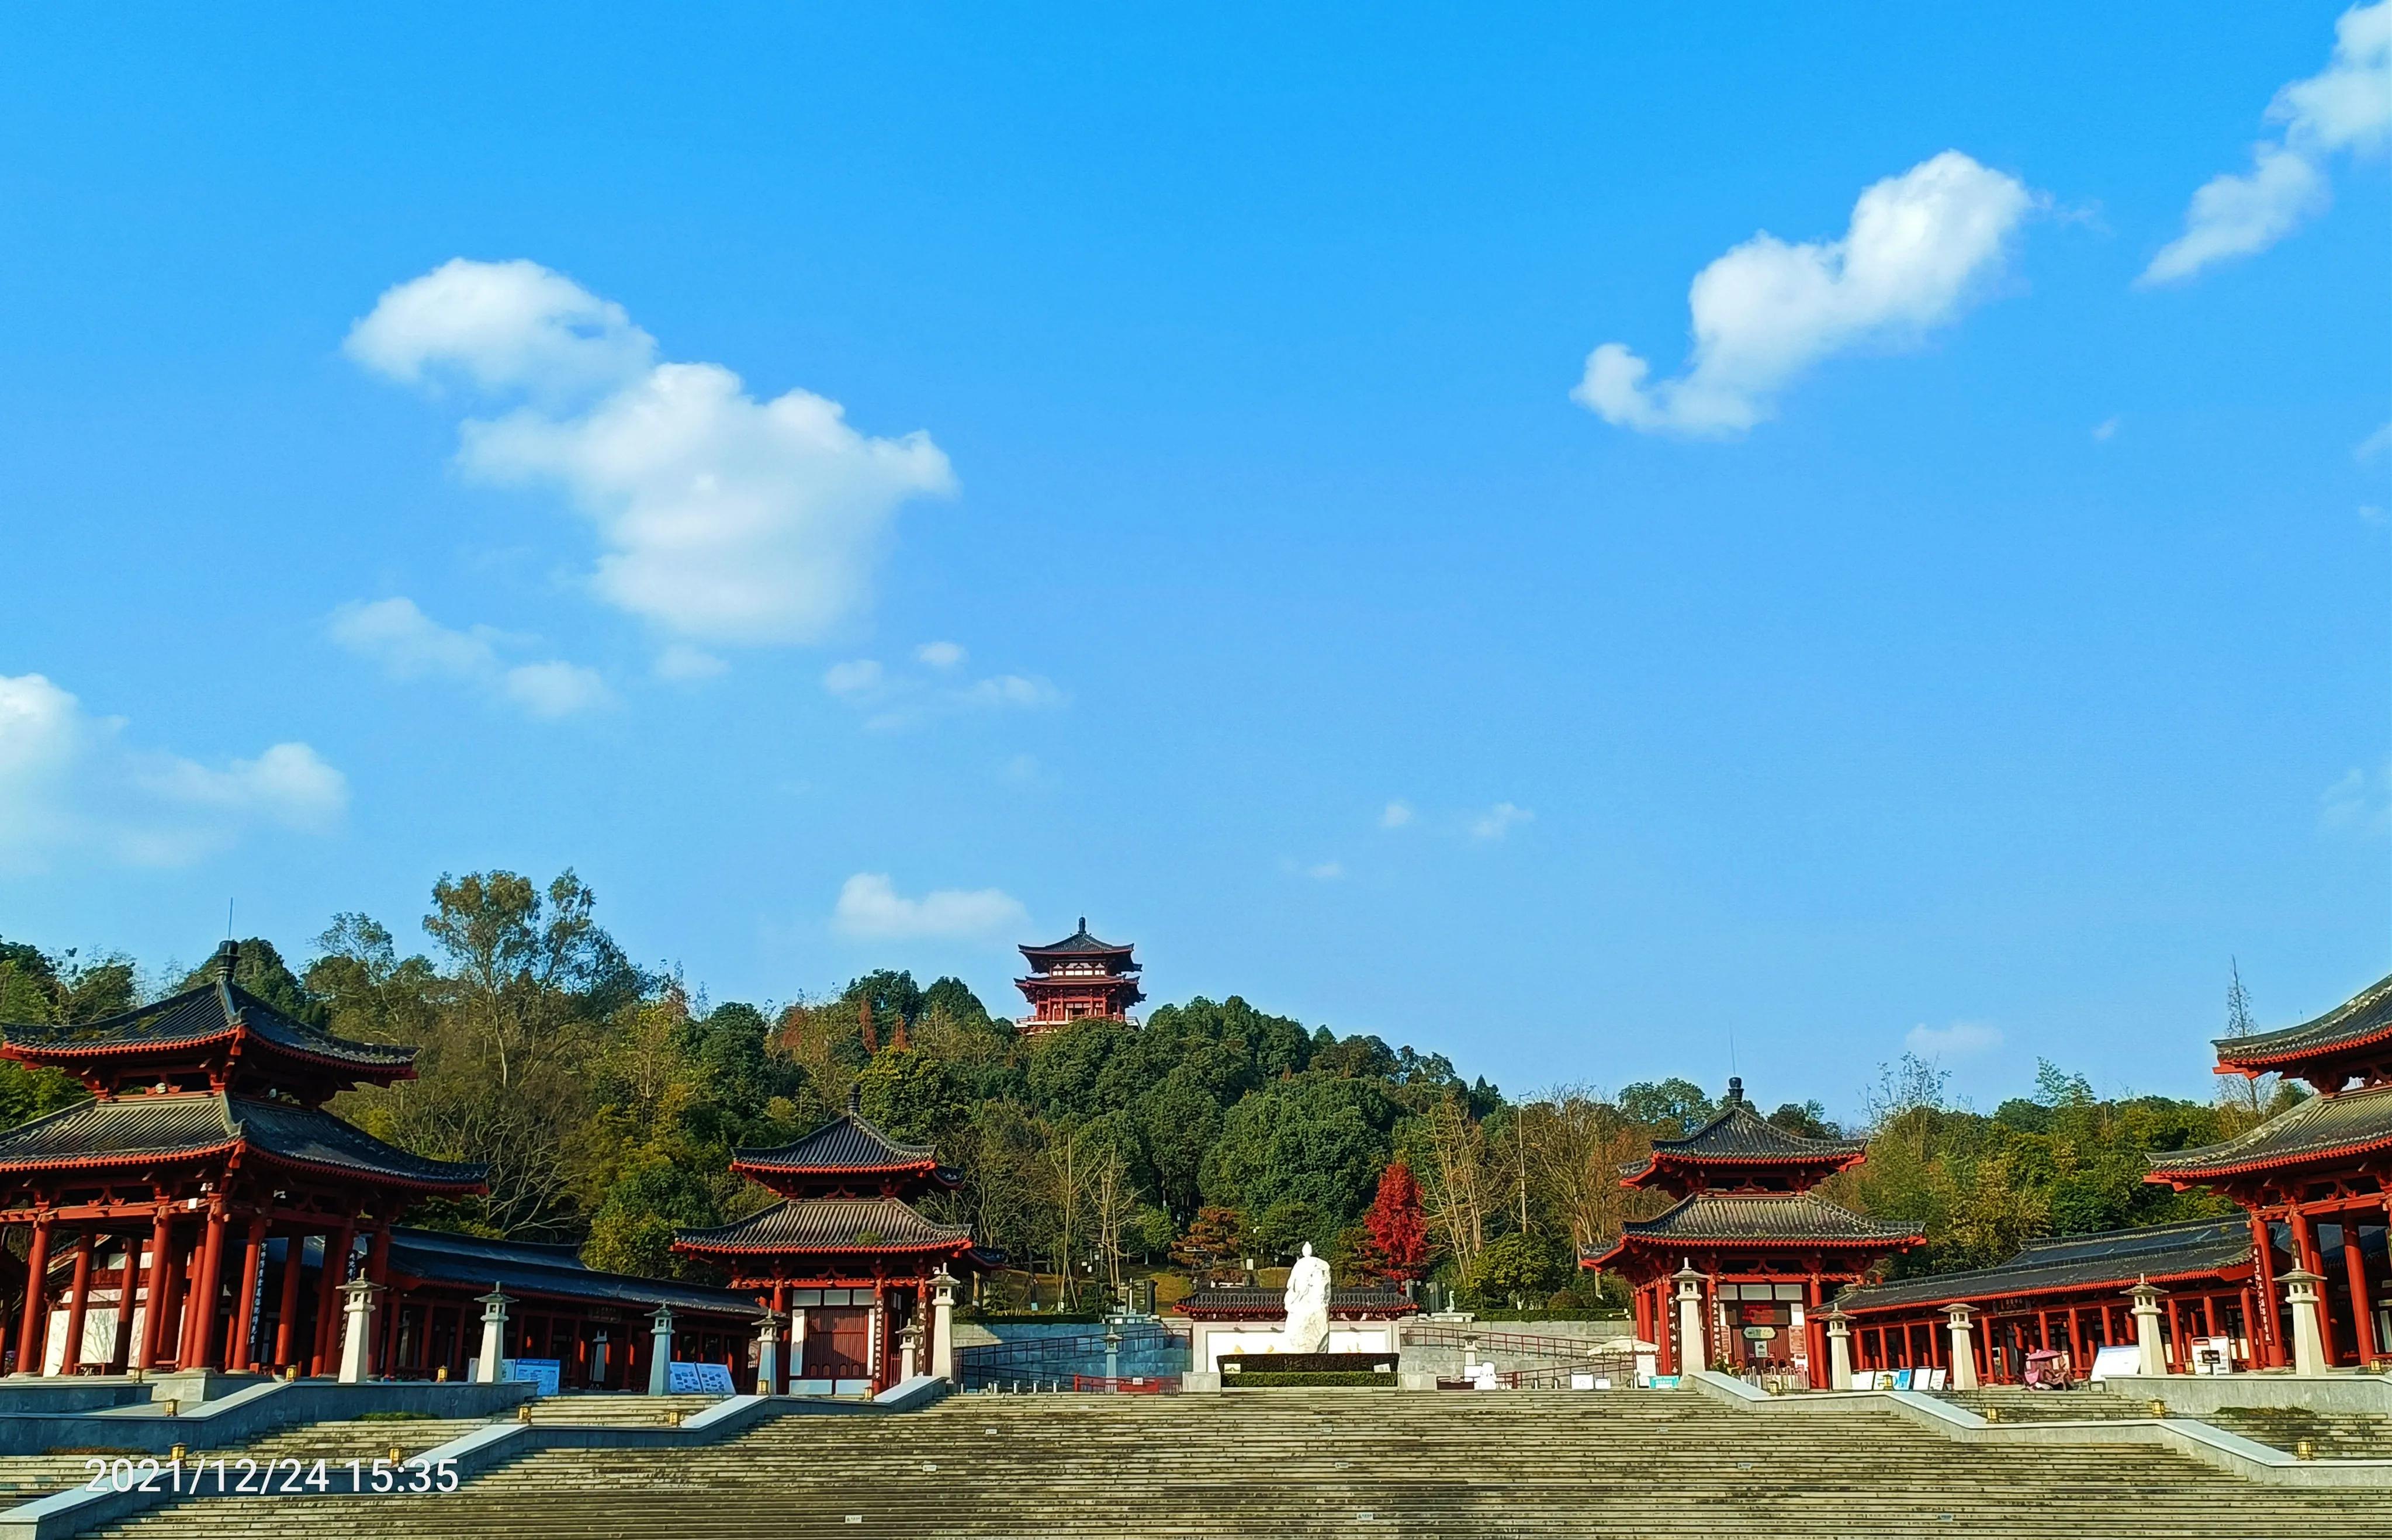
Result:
pixel 1398 1248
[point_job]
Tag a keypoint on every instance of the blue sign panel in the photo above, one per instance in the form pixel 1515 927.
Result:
pixel 546 1372
pixel 701 1378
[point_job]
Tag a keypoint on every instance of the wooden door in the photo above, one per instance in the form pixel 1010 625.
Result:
pixel 838 1342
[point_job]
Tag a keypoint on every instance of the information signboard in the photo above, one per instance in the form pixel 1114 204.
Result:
pixel 699 1379
pixel 548 1373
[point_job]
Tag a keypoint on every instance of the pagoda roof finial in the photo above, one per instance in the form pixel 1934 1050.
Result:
pixel 1084 926
pixel 1734 1089
pixel 227 958
pixel 854 1099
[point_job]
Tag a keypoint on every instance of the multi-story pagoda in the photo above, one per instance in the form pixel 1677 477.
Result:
pixel 1078 978
pixel 206 1143
pixel 1769 1250
pixel 845 1253
pixel 2315 1178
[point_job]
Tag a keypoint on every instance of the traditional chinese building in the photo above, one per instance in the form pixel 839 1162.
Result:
pixel 844 1253
pixel 1076 979
pixel 1769 1250
pixel 162 1199
pixel 2314 1180
pixel 2068 1294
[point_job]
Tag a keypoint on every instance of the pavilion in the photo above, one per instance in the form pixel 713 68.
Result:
pixel 1766 1249
pixel 844 1253
pixel 1078 978
pixel 2316 1180
pixel 205 1143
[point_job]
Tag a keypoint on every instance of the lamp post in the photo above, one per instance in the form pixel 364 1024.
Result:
pixel 494 1333
pixel 1839 1349
pixel 356 1339
pixel 1962 1320
pixel 767 1353
pixel 2308 1342
pixel 1691 1354
pixel 1112 1351
pixel 2150 1353
pixel 909 1349
pixel 942 1323
pixel 660 1355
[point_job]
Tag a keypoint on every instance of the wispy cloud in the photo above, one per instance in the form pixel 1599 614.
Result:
pixel 1326 871
pixel 2359 804
pixel 1396 815
pixel 1499 821
pixel 2105 430
pixel 870 909
pixel 1958 1041
pixel 898 700
pixel 2372 445
pixel 1921 248
pixel 410 644
pixel 71 787
pixel 2347 108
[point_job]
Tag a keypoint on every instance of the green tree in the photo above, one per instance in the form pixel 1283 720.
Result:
pixel 1517 1268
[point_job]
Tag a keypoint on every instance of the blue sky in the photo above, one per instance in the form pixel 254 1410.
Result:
pixel 1974 641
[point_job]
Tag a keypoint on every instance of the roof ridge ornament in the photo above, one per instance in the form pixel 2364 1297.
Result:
pixel 855 1099
pixel 227 958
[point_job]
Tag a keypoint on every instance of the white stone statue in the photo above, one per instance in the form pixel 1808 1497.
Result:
pixel 1308 1305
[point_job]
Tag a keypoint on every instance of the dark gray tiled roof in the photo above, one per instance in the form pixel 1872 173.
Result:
pixel 2353 1122
pixel 1739 1133
pixel 210 1011
pixel 190 1123
pixel 848 1143
pixel 2363 1018
pixel 1763 1217
pixel 829 1225
pixel 1079 942
pixel 2113 1259
pixel 523 1269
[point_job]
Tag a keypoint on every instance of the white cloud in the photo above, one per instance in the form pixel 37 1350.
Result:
pixel 939 655
pixel 870 909
pixel 2359 804
pixel 2105 430
pixel 2348 107
pixel 681 663
pixel 857 676
pixel 1326 871
pixel 1957 1040
pixel 898 700
pixel 723 518
pixel 2372 445
pixel 410 644
pixel 71 787
pixel 1921 248
pixel 1396 815
pixel 1497 820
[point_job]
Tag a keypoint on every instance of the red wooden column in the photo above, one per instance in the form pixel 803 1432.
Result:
pixel 328 1296
pixel 145 1349
pixel 242 1335
pixel 78 1305
pixel 2362 1319
pixel 31 1330
pixel 2265 1350
pixel 210 1274
pixel 286 1319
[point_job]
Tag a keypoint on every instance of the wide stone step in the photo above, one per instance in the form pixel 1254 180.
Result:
pixel 1323 1463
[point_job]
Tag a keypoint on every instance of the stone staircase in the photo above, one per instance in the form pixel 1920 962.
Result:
pixel 2015 1403
pixel 27 1476
pixel 602 1410
pixel 1657 1466
pixel 2333 1435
